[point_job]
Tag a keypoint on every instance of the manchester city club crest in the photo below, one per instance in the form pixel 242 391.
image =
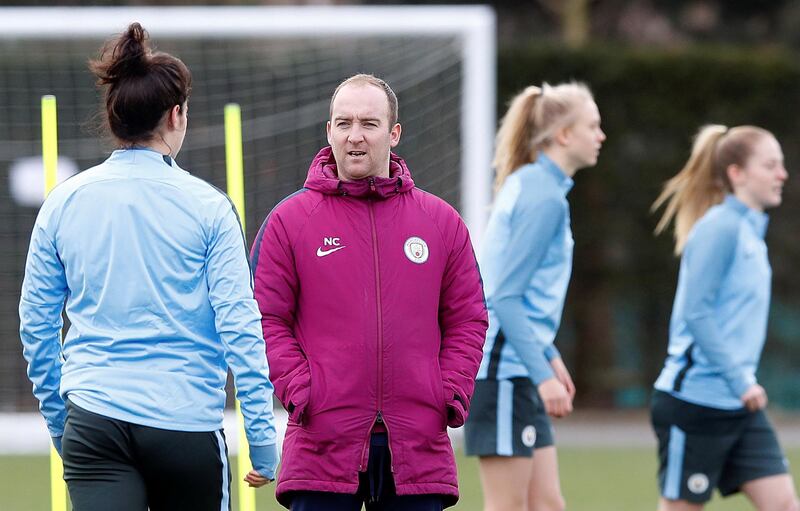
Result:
pixel 697 483
pixel 416 250
pixel 529 436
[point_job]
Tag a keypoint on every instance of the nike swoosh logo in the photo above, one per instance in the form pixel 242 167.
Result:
pixel 323 253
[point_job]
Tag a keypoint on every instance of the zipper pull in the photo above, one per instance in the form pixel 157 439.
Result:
pixel 379 418
pixel 372 184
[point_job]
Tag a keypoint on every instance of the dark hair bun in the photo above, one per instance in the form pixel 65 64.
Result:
pixel 139 85
pixel 127 56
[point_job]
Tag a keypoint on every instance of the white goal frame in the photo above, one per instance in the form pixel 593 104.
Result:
pixel 472 26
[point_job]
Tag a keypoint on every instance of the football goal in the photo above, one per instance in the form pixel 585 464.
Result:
pixel 280 64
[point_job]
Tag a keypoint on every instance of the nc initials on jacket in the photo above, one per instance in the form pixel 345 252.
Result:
pixel 328 242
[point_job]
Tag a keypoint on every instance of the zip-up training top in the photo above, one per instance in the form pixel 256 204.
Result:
pixel 719 318
pixel 526 259
pixel 373 311
pixel 152 264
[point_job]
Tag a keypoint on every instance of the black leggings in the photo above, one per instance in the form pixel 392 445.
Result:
pixel 113 464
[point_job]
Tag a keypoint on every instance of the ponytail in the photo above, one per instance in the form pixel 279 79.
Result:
pixel 513 143
pixel 139 85
pixel 694 189
pixel 534 116
pixel 703 181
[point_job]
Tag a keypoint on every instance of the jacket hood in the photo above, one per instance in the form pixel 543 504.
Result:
pixel 322 177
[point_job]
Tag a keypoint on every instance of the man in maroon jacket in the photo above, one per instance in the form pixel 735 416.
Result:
pixel 374 319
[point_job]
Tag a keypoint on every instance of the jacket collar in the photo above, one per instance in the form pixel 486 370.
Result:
pixel 550 167
pixel 138 153
pixel 323 178
pixel 758 219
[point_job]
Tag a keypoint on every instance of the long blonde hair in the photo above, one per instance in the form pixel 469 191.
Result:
pixel 703 180
pixel 533 117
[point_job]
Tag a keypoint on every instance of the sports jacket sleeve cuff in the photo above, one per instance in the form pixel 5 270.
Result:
pixel 542 374
pixel 55 416
pixel 456 411
pixel 57 444
pixel 551 352
pixel 265 459
pixel 740 383
pixel 55 431
pixel 539 367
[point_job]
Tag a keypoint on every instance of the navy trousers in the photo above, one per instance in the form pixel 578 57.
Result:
pixel 376 489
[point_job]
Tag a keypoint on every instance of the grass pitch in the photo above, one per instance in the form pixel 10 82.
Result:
pixel 593 479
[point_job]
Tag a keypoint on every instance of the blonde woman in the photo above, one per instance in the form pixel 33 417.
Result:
pixel 547 135
pixel 708 408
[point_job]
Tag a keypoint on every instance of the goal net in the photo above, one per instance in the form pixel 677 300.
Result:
pixel 281 65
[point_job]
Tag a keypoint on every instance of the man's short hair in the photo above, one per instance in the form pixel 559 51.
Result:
pixel 377 82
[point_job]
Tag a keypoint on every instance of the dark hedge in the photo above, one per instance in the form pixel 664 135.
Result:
pixel 614 334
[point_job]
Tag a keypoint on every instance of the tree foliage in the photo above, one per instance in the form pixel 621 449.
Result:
pixel 652 102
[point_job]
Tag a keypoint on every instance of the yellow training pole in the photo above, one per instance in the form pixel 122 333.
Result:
pixel 58 489
pixel 235 173
pixel 49 142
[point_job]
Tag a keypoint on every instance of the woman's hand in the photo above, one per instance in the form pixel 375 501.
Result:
pixel 562 374
pixel 755 397
pixel 557 401
pixel 256 480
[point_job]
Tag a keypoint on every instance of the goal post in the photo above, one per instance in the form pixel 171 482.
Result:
pixel 280 64
pixel 472 29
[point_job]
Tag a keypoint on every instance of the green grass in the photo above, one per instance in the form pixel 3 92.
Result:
pixel 596 479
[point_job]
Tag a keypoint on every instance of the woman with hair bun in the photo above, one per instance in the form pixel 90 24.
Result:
pixel 707 408
pixel 547 135
pixel 152 266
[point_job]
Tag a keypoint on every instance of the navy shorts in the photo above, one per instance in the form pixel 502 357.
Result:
pixel 506 418
pixel 702 448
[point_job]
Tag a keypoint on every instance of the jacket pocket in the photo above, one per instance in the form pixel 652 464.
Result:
pixel 441 395
pixel 295 413
pixel 299 410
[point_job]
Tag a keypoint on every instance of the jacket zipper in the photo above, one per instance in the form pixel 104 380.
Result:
pixel 379 404
pixel 362 467
pixel 377 299
pixel 379 420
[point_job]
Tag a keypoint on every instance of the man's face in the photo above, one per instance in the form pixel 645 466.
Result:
pixel 359 132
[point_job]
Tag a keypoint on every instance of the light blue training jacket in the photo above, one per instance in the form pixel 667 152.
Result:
pixel 719 318
pixel 153 267
pixel 526 263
